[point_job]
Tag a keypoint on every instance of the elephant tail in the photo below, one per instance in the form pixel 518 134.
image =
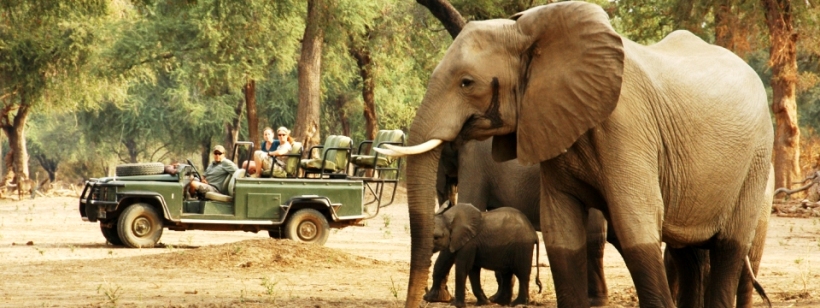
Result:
pixel 756 284
pixel 538 266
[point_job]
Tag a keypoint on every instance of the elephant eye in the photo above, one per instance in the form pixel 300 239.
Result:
pixel 466 82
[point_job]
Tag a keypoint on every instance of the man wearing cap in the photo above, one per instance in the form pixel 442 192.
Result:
pixel 216 173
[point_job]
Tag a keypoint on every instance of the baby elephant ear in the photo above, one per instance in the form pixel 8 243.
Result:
pixel 465 224
pixel 573 63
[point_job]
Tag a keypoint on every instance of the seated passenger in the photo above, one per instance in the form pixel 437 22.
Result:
pixel 216 173
pixel 273 159
pixel 261 157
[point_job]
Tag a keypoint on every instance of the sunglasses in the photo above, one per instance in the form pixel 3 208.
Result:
pixel 217 153
pixel 280 135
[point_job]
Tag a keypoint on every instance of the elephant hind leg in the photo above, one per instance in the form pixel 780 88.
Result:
pixel 504 282
pixel 523 276
pixel 686 270
pixel 726 260
pixel 505 285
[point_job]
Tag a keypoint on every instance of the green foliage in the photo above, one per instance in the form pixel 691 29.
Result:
pixel 156 80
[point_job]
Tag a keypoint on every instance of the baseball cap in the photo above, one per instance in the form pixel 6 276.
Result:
pixel 219 148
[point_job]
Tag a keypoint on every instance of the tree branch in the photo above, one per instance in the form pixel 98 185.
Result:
pixel 447 14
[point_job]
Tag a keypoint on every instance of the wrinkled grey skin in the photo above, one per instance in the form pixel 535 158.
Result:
pixel 672 142
pixel 500 240
pixel 487 185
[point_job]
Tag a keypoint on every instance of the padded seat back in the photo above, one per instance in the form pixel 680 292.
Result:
pixel 232 181
pixel 333 156
pixel 292 163
pixel 371 159
pixel 339 157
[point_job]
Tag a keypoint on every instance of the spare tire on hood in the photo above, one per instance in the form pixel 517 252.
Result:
pixel 140 169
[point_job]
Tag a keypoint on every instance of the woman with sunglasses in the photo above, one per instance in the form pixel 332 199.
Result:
pixel 272 159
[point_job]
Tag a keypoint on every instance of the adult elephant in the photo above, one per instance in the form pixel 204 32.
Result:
pixel 488 185
pixel 641 133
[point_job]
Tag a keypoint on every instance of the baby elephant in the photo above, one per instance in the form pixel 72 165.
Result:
pixel 500 240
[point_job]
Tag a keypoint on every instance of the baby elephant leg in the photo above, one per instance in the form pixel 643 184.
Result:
pixel 499 279
pixel 505 285
pixel 475 282
pixel 439 293
pixel 522 272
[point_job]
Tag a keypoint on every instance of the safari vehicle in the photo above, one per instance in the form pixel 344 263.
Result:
pixel 135 206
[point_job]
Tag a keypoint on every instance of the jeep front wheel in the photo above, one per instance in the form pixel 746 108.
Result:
pixel 139 226
pixel 110 234
pixel 308 226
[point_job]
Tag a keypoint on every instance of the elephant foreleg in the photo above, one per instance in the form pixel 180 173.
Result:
pixel 596 239
pixel 563 230
pixel 475 282
pixel 441 269
pixel 465 258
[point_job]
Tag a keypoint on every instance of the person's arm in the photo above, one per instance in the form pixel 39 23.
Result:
pixel 283 150
pixel 229 166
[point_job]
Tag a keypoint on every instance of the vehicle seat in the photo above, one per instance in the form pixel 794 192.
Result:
pixel 373 159
pixel 333 157
pixel 291 163
pixel 229 184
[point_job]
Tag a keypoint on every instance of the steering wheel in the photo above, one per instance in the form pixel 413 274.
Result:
pixel 196 173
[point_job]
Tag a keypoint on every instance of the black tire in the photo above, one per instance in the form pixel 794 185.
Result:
pixel 307 226
pixel 139 226
pixel 140 169
pixel 111 235
pixel 276 233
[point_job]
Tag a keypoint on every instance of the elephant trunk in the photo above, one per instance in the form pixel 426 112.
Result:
pixel 421 179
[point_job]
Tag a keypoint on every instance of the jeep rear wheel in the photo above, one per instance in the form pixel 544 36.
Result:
pixel 110 234
pixel 308 226
pixel 140 169
pixel 139 226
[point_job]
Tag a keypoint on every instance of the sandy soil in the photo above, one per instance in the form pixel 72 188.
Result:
pixel 49 257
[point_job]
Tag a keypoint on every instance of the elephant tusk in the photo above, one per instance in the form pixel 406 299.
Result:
pixel 392 150
pixel 388 152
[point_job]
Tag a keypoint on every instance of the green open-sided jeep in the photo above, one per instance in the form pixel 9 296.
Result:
pixel 134 207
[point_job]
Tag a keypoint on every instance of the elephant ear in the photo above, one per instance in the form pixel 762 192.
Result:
pixel 465 223
pixel 572 68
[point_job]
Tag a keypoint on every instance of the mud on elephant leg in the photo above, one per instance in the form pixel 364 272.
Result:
pixel 441 269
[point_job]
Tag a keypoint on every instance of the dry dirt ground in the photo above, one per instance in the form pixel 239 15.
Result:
pixel 49 257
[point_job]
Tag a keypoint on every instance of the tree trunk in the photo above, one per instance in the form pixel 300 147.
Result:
pixel 783 61
pixel 49 165
pixel 365 64
pixel 723 24
pixel 310 73
pixel 447 14
pixel 341 101
pixel 14 126
pixel 253 120
pixel 131 148
pixel 232 129
pixel 206 154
